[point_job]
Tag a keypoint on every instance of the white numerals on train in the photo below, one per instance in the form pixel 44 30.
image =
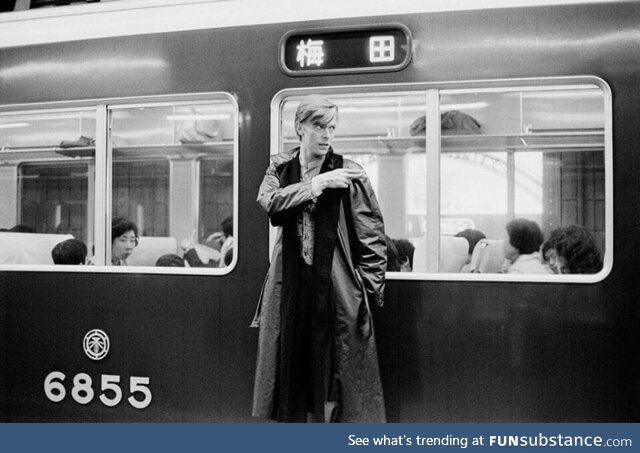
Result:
pixel 82 391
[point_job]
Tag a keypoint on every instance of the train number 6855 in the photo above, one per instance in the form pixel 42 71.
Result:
pixel 82 391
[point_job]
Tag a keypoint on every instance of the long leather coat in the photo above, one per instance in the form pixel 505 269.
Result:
pixel 356 266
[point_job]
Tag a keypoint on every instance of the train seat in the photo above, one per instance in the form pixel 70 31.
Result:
pixel 28 248
pixel 454 252
pixel 488 257
pixel 150 248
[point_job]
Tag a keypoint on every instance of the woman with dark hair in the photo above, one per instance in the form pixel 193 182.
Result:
pixel 227 242
pixel 522 248
pixel 22 229
pixel 473 237
pixel 170 260
pixel 572 250
pixel 124 238
pixel 393 256
pixel 405 254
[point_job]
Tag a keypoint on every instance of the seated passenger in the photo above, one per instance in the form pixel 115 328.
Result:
pixel 405 254
pixel 572 250
pixel 544 252
pixel 393 262
pixel 170 260
pixel 472 237
pixel 71 251
pixel 228 257
pixel 522 248
pixel 124 238
pixel 198 255
pixel 453 254
pixel 22 229
pixel 227 240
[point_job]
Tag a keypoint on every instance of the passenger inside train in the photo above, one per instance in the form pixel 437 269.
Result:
pixel 218 251
pixel 500 156
pixel 572 250
pixel 22 229
pixel 71 251
pixel 226 241
pixel 124 239
pixel 405 254
pixel 522 248
pixel 393 258
pixel 472 236
pixel 170 260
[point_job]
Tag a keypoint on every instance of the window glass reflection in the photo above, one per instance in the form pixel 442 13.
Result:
pixel 528 158
pixel 173 180
pixel 535 166
pixel 47 170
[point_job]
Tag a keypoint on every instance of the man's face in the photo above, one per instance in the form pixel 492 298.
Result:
pixel 316 138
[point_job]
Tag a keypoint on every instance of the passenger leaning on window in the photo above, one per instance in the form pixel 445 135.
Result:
pixel 572 250
pixel 522 249
pixel 124 238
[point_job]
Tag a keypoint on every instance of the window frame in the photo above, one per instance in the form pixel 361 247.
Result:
pixel 433 91
pixel 101 207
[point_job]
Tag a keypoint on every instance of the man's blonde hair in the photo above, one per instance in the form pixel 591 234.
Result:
pixel 315 109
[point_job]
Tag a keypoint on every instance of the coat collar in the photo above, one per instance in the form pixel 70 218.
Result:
pixel 290 171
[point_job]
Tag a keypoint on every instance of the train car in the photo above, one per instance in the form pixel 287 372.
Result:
pixel 465 117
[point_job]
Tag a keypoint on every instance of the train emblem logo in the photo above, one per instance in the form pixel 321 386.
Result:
pixel 96 344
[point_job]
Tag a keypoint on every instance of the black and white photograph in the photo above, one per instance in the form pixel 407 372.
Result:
pixel 365 212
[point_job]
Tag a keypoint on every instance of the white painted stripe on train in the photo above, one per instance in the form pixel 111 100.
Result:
pixel 136 17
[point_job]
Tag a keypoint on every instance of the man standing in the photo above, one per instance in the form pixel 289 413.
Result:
pixel 317 358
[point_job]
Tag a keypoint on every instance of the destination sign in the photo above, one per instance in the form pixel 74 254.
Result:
pixel 345 50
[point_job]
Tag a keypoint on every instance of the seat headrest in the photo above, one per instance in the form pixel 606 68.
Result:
pixel 28 248
pixel 150 248
pixel 454 252
pixel 488 257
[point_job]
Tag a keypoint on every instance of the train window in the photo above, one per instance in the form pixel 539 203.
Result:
pixel 373 131
pixel 151 186
pixel 531 159
pixel 173 179
pixel 47 175
pixel 482 183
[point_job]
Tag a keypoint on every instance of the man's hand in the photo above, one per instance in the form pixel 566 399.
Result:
pixel 335 179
